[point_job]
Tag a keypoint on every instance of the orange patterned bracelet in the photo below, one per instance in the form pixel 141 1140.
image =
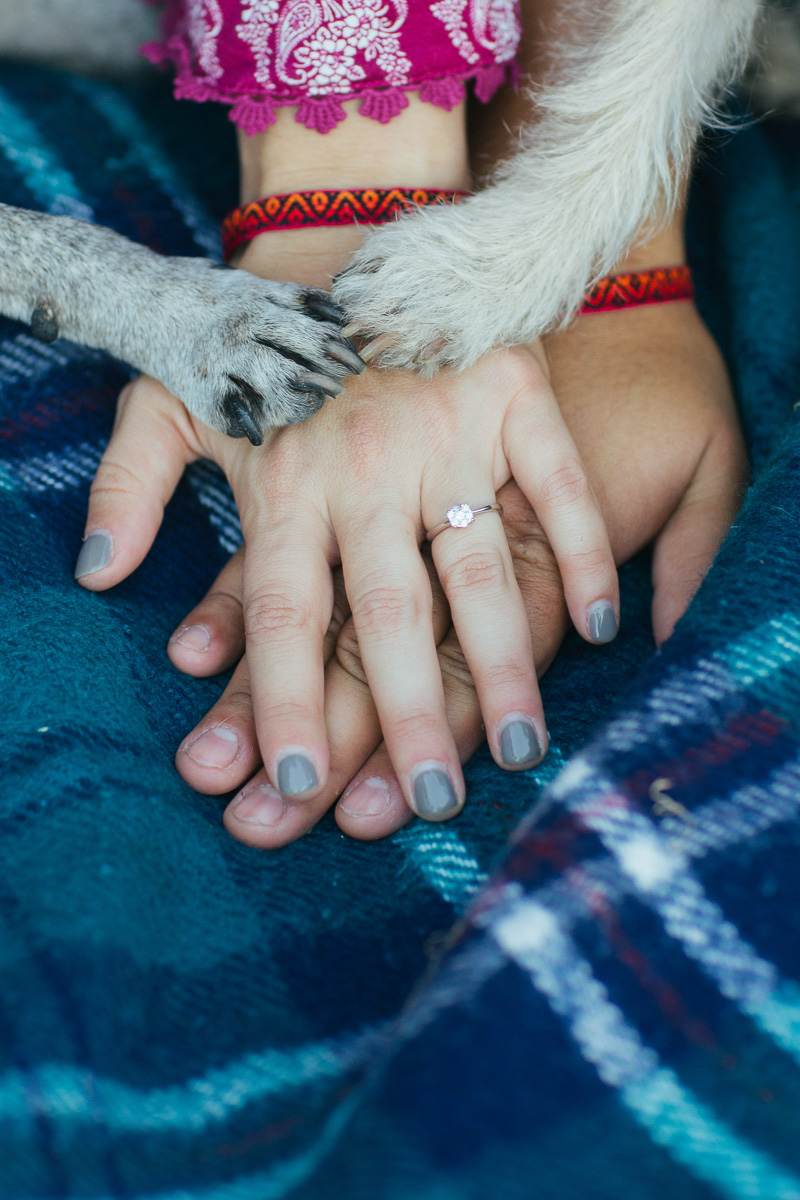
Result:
pixel 372 206
pixel 313 210
pixel 634 288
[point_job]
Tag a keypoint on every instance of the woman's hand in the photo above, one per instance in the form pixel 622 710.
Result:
pixel 647 398
pixel 648 401
pixel 360 483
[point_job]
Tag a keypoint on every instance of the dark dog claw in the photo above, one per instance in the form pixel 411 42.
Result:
pixel 347 357
pixel 313 404
pixel 327 310
pixel 313 381
pixel 240 419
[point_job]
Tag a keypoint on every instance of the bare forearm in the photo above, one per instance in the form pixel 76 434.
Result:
pixel 424 146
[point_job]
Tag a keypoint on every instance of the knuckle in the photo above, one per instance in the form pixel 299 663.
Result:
pixel 285 467
pixel 237 702
pixel 339 615
pixel 415 726
pixel 387 608
pixel 275 614
pixel 485 569
pixel 283 710
pixel 499 676
pixel 115 479
pixel 225 603
pixel 590 562
pixel 565 486
pixel 454 665
pixel 348 655
pixel 522 375
pixel 531 552
pixel 364 438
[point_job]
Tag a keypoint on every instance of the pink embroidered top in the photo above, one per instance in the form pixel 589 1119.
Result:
pixel 258 54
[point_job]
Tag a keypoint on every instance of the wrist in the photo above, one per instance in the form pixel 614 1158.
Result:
pixel 665 248
pixel 310 257
pixel 424 146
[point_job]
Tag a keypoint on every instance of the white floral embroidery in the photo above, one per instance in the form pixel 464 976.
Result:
pixel 258 19
pixel 451 14
pixel 328 64
pixel 496 26
pixel 323 45
pixel 492 24
pixel 324 49
pixel 204 19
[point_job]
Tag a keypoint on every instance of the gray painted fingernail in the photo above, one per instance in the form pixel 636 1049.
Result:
pixel 434 795
pixel 602 623
pixel 296 774
pixel 96 553
pixel 519 744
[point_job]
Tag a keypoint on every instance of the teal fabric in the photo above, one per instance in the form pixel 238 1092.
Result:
pixel 185 1018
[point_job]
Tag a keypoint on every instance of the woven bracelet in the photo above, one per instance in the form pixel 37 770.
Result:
pixel 634 288
pixel 373 206
pixel 315 210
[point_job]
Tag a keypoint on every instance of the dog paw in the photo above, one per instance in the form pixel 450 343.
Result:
pixel 422 293
pixel 246 354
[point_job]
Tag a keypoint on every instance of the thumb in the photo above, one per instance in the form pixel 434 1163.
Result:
pixel 149 449
pixel 685 548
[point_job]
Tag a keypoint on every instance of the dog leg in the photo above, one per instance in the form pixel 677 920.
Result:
pixel 243 354
pixel 611 146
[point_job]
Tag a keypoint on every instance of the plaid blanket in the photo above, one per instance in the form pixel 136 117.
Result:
pixel 185 1018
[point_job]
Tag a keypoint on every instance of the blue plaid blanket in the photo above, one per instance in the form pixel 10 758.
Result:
pixel 601 1001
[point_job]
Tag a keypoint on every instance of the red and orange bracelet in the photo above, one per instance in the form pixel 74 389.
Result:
pixel 634 288
pixel 373 206
pixel 316 210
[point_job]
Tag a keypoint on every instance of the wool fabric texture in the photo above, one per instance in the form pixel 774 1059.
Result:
pixel 601 1001
pixel 258 55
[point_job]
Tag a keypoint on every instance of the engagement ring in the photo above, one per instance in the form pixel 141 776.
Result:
pixel 460 516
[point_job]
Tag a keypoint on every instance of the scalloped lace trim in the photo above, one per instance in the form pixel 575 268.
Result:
pixel 255 113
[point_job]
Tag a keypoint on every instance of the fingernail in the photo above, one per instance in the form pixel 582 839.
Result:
pixel 602 623
pixel 193 637
pixel 367 798
pixel 96 553
pixel 296 774
pixel 216 747
pixel 262 805
pixel 519 745
pixel 434 795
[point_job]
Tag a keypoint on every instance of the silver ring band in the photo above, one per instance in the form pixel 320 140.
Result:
pixel 460 516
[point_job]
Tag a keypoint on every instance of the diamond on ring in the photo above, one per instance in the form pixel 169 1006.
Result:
pixel 460 516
